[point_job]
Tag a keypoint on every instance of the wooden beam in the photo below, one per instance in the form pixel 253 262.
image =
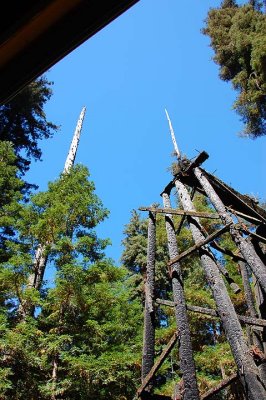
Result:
pixel 200 159
pixel 252 234
pixel 222 385
pixel 245 216
pixel 228 252
pixel 214 313
pixel 174 211
pixel 197 246
pixel 150 396
pixel 158 363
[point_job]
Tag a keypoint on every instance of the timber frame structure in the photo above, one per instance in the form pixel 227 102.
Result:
pixel 234 211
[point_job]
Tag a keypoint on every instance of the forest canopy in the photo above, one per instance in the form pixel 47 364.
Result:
pixel 238 38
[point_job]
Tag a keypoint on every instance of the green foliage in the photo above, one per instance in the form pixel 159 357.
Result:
pixel 10 195
pixel 23 122
pixel 238 38
pixel 85 338
pixel 64 217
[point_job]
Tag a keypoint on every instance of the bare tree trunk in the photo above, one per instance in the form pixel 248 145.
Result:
pixel 149 315
pixel 244 361
pixel 245 245
pixel 74 144
pixel 54 376
pixel 187 364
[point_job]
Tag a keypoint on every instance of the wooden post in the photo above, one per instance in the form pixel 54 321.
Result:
pixel 244 245
pixel 187 364
pixel 149 315
pixel 256 337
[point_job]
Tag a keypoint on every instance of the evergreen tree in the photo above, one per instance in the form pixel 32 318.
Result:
pixel 238 38
pixel 10 195
pixel 84 341
pixel 23 122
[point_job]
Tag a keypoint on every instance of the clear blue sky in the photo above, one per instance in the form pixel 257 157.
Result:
pixel 153 56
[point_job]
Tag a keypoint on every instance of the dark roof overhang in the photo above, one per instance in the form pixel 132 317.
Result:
pixel 35 34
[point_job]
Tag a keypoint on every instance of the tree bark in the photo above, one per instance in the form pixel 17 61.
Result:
pixel 149 315
pixel 54 376
pixel 74 144
pixel 187 364
pixel 244 361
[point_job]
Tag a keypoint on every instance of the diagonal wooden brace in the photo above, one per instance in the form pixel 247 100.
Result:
pixel 197 246
pixel 158 363
pixel 216 389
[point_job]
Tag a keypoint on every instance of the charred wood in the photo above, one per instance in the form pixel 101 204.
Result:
pixel 187 364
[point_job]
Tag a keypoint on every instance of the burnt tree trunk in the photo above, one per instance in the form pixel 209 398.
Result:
pixel 40 260
pixel 246 366
pixel 245 246
pixel 187 364
pixel 149 315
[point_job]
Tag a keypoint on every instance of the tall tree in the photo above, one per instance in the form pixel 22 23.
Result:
pixel 23 122
pixel 238 38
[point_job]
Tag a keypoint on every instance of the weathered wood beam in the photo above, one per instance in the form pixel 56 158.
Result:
pixel 200 159
pixel 245 216
pixel 158 363
pixel 214 313
pixel 254 336
pixel 203 156
pixel 228 252
pixel 201 243
pixel 222 385
pixel 174 211
pixel 252 234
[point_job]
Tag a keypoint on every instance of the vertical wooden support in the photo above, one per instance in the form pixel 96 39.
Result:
pixel 247 289
pixel 246 366
pixel 149 315
pixel 261 306
pixel 187 364
pixel 256 337
pixel 247 249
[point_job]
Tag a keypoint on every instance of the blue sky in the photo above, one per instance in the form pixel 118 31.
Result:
pixel 153 56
